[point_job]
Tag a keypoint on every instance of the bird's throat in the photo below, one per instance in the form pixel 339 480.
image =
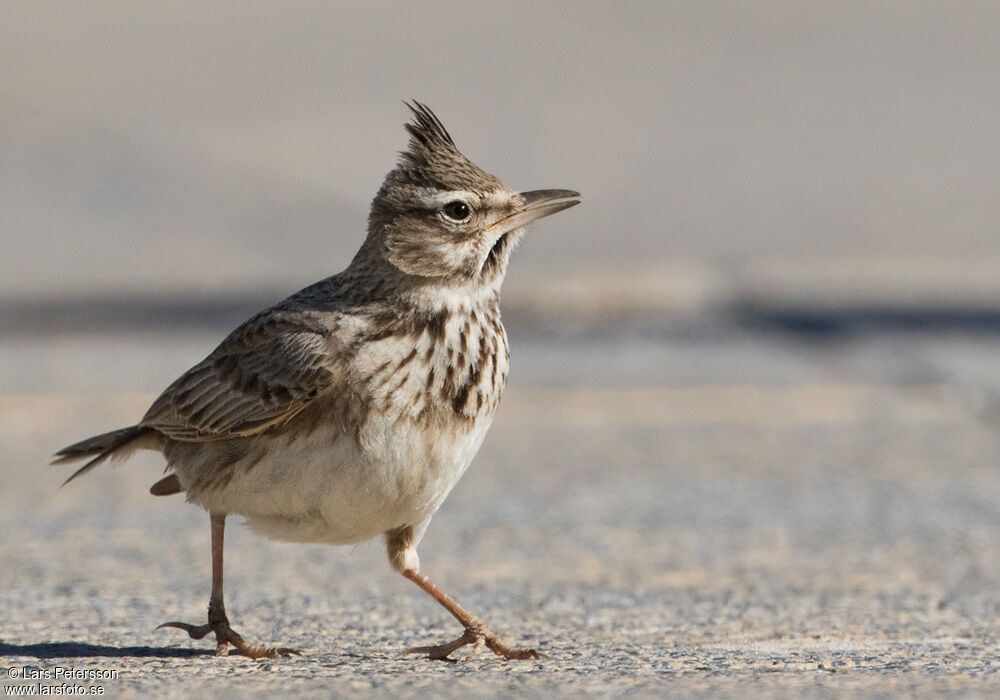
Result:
pixel 494 258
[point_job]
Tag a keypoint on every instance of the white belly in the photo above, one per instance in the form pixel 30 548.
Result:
pixel 328 487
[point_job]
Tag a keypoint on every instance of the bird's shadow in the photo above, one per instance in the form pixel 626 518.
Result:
pixel 79 650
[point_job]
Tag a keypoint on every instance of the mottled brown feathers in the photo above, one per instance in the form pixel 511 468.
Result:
pixel 263 373
pixel 350 409
pixel 410 331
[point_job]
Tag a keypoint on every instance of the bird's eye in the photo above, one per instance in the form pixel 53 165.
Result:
pixel 457 210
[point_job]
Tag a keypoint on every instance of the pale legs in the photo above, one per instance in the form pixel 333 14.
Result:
pixel 403 557
pixel 217 620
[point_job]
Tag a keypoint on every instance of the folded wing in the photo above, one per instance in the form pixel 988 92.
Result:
pixel 264 373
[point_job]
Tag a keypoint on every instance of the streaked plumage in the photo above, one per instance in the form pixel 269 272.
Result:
pixel 351 409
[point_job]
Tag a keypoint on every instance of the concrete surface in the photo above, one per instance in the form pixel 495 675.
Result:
pixel 697 511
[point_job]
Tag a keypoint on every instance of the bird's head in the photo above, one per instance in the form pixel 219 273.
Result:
pixel 439 216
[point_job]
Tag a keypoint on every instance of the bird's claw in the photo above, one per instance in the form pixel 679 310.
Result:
pixel 480 637
pixel 194 631
pixel 225 635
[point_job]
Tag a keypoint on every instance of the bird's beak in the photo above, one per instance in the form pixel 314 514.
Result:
pixel 537 204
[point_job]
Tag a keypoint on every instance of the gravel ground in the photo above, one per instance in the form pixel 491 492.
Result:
pixel 696 512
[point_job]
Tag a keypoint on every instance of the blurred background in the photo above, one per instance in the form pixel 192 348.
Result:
pixel 753 374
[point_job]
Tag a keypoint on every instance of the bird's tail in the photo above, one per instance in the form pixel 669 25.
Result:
pixel 117 443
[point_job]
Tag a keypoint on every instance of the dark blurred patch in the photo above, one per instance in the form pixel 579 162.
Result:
pixel 78 650
pixel 129 314
pixel 830 323
pixel 110 314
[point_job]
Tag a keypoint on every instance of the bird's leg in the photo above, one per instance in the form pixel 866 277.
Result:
pixel 217 620
pixel 403 557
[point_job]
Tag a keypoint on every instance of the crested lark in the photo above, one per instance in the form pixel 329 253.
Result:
pixel 350 409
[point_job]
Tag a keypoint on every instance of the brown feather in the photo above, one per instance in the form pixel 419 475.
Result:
pixel 166 486
pixel 104 446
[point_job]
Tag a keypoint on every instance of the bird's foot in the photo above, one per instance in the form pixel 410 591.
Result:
pixel 479 636
pixel 226 635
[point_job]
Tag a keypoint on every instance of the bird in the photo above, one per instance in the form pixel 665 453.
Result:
pixel 349 410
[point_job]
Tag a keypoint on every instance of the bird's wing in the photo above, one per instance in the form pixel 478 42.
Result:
pixel 265 372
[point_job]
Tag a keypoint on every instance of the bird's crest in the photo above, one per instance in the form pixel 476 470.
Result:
pixel 426 130
pixel 433 158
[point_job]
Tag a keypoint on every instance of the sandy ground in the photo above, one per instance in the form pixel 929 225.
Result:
pixel 692 511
